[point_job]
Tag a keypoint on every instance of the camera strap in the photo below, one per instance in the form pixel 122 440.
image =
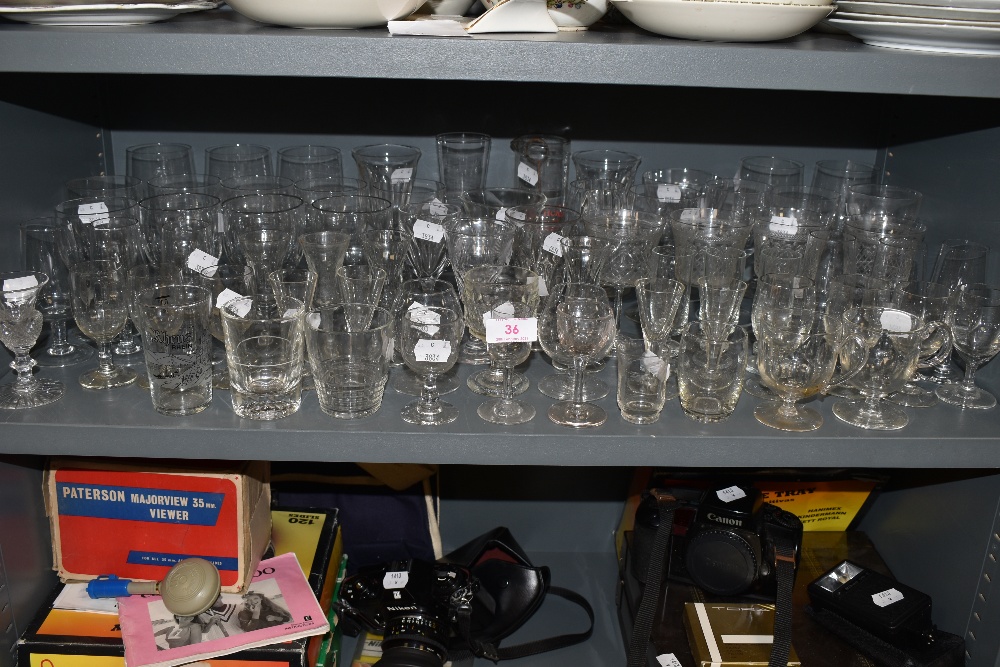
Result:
pixel 784 562
pixel 643 627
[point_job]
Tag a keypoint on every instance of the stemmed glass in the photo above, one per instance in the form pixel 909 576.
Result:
pixel 586 330
pixel 427 223
pixel 387 249
pixel 430 350
pixel 974 318
pixel 421 294
pixel 776 292
pixel 100 305
pixel 507 351
pixel 930 301
pixel 361 283
pixel 20 324
pixel 40 251
pixel 662 312
pixel 560 385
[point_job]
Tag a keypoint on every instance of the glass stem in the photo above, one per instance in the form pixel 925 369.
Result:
pixel 579 366
pixel 59 345
pixel 969 381
pixel 507 390
pixel 429 395
pixel 22 366
pixel 105 359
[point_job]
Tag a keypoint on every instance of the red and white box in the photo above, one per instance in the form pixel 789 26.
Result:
pixel 137 519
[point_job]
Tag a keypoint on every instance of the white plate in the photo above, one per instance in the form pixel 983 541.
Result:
pixel 880 18
pixel 924 37
pixel 955 4
pixel 335 14
pixel 98 15
pixel 722 21
pixel 918 11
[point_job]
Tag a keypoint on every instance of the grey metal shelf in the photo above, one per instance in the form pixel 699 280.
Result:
pixel 220 42
pixel 122 422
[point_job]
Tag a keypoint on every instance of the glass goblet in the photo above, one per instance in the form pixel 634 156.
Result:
pixel 100 304
pixel 560 385
pixel 974 319
pixel 430 350
pixel 775 292
pixel 20 324
pixel 506 353
pixel 418 295
pixel 586 330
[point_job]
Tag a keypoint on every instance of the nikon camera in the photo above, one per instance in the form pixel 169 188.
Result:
pixel 722 541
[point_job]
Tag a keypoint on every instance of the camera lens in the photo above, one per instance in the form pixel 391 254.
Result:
pixel 413 640
pixel 724 562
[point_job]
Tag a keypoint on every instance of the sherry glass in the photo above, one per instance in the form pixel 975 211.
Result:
pixel 560 385
pixel 100 304
pixel 586 331
pixel 416 295
pixel 430 349
pixel 40 251
pixel 505 355
pixel 974 318
pixel 20 324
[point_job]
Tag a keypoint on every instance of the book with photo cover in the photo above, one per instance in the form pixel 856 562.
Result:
pixel 279 606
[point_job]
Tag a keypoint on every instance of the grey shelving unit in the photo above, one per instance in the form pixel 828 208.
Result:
pixel 72 99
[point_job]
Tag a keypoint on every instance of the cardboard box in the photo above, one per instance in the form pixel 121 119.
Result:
pixel 732 635
pixel 137 519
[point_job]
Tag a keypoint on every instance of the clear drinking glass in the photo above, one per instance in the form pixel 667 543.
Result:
pixel 974 318
pixel 463 162
pixel 20 325
pixel 607 164
pixel 237 160
pixel 361 283
pixel 505 354
pixel 427 224
pixel 298 163
pixel 643 368
pixel 100 305
pixel 561 384
pixel 541 164
pixel 420 294
pixel 154 160
pixel 325 252
pixel 586 331
pixel 387 170
pixel 430 338
pixel 710 372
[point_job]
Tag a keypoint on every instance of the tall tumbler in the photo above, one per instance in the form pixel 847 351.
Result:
pixel 541 163
pixel 264 355
pixel 463 161
pixel 387 170
pixel 177 344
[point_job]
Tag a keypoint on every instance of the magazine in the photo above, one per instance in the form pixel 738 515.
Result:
pixel 278 606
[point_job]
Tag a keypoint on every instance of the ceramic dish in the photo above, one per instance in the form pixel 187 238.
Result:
pixel 324 13
pixel 923 36
pixel 722 21
pixel 877 18
pixel 570 14
pixel 918 11
pixel 102 15
pixel 956 4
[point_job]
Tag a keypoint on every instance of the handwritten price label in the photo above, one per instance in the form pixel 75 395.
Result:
pixel 886 598
pixel 553 244
pixel 393 581
pixel 202 262
pixel 668 660
pixel 401 175
pixel 655 365
pixel 666 192
pixel 730 494
pixel 527 173
pixel 895 320
pixel 437 207
pixel 783 226
pixel 93 214
pixel 432 350
pixel 428 231
pixel 511 330
pixel 227 295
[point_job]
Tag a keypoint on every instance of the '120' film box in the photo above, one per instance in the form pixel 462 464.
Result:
pixel 138 519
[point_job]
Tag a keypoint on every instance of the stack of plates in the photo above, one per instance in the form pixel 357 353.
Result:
pixel 946 26
pixel 726 20
pixel 86 13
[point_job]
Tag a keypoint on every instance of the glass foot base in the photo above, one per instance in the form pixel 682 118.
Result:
pixel 490 383
pixel 884 417
pixel 37 394
pixel 409 383
pixel 118 376
pixel 76 354
pixel 912 396
pixel 500 411
pixel 949 375
pixel 577 415
pixel 798 420
pixel 560 387
pixel 753 386
pixel 974 399
pixel 127 348
pixel 437 414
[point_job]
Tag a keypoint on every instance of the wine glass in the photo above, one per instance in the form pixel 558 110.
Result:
pixel 509 346
pixel 20 324
pixel 40 251
pixel 974 318
pixel 776 292
pixel 430 349
pixel 416 295
pixel 586 331
pixel 663 311
pixel 560 385
pixel 100 304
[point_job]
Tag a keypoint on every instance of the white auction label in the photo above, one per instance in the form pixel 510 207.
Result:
pixel 667 192
pixel 432 350
pixel 437 207
pixel 886 598
pixel 242 308
pixel 289 313
pixel 314 320
pixel 668 660
pixel 527 173
pixel 93 214
pixel 519 216
pixel 227 295
pixel 730 494
pixel 501 215
pixel 402 175
pixel 505 309
pixel 428 231
pixel 689 214
pixel 895 320
pixel 395 580
pixel 655 365
pixel 18 284
pixel 553 244
pixel 202 262
pixel 783 225
pixel 425 317
pixel 543 289
pixel 511 329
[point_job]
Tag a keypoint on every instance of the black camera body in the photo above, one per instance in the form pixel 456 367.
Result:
pixel 723 540
pixel 415 604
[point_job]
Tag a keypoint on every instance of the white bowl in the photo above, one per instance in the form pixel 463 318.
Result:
pixel 325 13
pixel 571 14
pixel 446 7
pixel 717 21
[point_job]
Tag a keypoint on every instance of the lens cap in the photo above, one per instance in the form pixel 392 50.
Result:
pixel 190 587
